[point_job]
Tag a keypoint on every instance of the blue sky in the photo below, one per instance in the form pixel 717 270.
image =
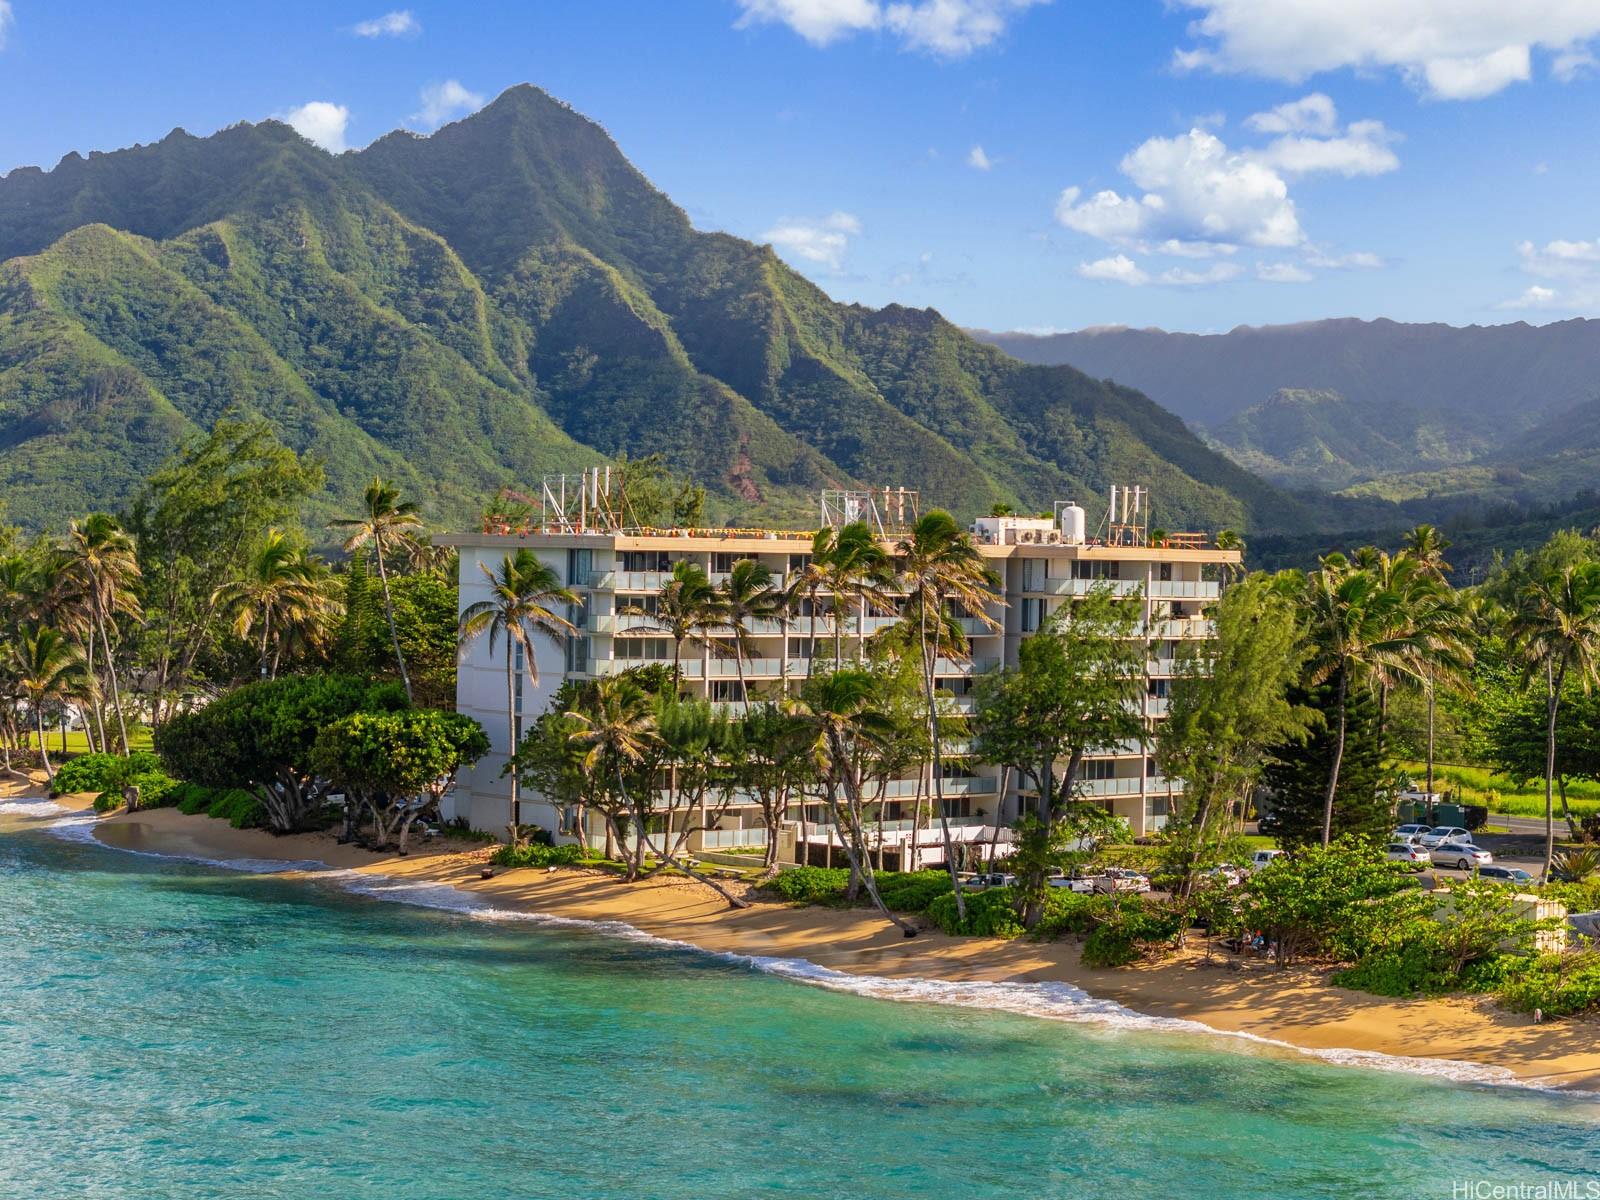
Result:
pixel 1192 164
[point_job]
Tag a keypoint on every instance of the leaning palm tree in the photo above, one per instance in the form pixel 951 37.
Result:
pixel 837 722
pixel 47 667
pixel 747 594
pixel 102 554
pixel 390 525
pixel 687 609
pixel 522 596
pixel 939 564
pixel 1555 625
pixel 280 593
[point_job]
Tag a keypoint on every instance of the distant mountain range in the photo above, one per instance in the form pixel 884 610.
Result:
pixel 505 298
pixel 1379 409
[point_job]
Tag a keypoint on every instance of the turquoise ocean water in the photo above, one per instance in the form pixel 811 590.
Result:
pixel 175 1030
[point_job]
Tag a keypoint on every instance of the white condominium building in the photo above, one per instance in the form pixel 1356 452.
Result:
pixel 1042 563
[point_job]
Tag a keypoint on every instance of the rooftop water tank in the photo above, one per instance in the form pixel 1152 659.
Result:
pixel 1073 524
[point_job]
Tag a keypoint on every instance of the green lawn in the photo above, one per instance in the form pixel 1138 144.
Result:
pixel 1479 785
pixel 78 741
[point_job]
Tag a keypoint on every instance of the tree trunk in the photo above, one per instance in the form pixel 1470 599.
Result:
pixel 928 662
pixel 44 752
pixel 513 824
pixel 111 673
pixel 863 869
pixel 1338 760
pixel 1552 704
pixel 394 634
pixel 1430 741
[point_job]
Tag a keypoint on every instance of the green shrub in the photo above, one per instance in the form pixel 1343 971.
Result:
pixel 809 885
pixel 1578 897
pixel 106 801
pixel 1071 912
pixel 536 854
pixel 1409 969
pixel 912 891
pixel 1129 929
pixel 102 772
pixel 237 807
pixel 989 914
pixel 1562 985
pixel 194 798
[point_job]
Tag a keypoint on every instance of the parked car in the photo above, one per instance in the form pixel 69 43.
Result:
pixel 1230 875
pixel 994 879
pixel 1407 852
pixel 1440 834
pixel 1073 883
pixel 1262 857
pixel 1463 856
pixel 1121 879
pixel 1513 875
pixel 1410 833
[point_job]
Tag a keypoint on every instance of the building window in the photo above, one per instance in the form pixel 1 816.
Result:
pixel 1031 615
pixel 1157 688
pixel 1032 574
pixel 638 649
pixel 580 563
pixel 1098 768
pixel 722 563
pixel 799 562
pixel 1166 572
pixel 518 669
pixel 645 560
pixel 1157 806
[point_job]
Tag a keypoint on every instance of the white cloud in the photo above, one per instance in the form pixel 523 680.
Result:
pixel 1194 190
pixel 1282 272
pixel 1117 269
pixel 1310 114
pixel 443 101
pixel 1572 63
pixel 399 23
pixel 942 28
pixel 322 122
pixel 1448 49
pixel 978 160
pixel 820 241
pixel 1572 266
pixel 1363 260
pixel 5 21
pixel 1363 149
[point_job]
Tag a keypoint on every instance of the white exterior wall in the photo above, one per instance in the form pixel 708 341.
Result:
pixel 1130 790
pixel 481 793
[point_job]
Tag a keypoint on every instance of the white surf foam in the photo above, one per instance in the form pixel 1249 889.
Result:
pixel 1053 1000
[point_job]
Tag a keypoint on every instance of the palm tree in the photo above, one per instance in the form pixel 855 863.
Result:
pixel 1227 539
pixel 837 721
pixel 48 667
pixel 617 728
pixel 102 554
pixel 747 594
pixel 857 567
pixel 1555 625
pixel 388 524
pixel 281 592
pixel 1339 605
pixel 939 563
pixel 687 609
pixel 810 583
pixel 522 595
pixel 1427 545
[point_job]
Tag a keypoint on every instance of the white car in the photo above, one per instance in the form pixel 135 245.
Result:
pixel 1463 856
pixel 1407 852
pixel 1121 879
pixel 1440 834
pixel 1262 857
pixel 1410 833
pixel 1230 876
pixel 1073 883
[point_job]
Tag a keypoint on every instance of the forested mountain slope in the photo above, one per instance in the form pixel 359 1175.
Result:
pixel 507 297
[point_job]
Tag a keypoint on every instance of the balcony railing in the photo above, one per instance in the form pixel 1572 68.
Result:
pixel 1185 589
pixel 1082 587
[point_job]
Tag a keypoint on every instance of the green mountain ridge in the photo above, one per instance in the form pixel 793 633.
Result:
pixel 503 298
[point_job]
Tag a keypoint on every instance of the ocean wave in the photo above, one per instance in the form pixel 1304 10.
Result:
pixel 1051 1000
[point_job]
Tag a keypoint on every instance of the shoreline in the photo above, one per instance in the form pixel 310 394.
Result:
pixel 1465 1039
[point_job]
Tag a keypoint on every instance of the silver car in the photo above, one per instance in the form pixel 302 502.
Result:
pixel 1463 856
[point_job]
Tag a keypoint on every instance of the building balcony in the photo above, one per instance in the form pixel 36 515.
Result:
pixel 1081 587
pixel 1185 589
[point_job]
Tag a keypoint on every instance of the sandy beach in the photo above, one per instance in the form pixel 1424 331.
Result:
pixel 1295 1006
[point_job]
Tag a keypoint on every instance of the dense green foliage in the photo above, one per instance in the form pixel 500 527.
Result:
pixel 507 297
pixel 1296 774
pixel 102 772
pixel 536 854
pixel 902 891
